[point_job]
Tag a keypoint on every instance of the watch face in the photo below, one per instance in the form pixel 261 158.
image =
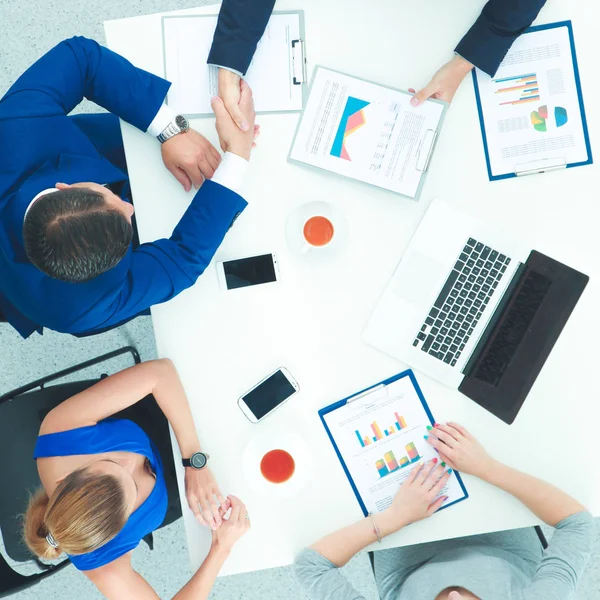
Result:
pixel 182 122
pixel 198 460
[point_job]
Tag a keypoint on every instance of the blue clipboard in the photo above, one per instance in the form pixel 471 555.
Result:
pixel 408 373
pixel 586 134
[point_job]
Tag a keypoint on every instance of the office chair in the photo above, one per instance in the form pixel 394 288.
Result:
pixel 21 413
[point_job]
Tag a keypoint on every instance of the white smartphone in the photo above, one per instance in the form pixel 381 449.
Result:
pixel 244 272
pixel 268 395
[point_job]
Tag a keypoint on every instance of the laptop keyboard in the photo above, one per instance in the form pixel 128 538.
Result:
pixel 459 306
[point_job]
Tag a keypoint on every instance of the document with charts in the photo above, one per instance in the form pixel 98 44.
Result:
pixel 379 438
pixel 368 132
pixel 532 113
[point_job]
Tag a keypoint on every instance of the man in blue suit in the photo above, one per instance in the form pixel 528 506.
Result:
pixel 67 261
pixel 240 26
pixel 484 46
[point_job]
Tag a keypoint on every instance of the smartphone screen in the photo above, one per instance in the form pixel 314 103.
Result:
pixel 249 271
pixel 269 394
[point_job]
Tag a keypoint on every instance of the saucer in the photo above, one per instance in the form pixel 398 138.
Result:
pixel 295 227
pixel 272 440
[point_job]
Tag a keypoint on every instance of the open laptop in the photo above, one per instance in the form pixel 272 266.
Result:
pixel 474 310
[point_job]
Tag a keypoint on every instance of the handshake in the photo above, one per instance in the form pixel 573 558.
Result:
pixel 191 158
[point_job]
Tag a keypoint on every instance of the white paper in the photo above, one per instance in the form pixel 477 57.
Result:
pixel 187 43
pixel 366 132
pixel 397 403
pixel 531 107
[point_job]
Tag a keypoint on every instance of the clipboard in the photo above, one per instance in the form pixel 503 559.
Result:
pixel 297 67
pixel 544 165
pixel 362 394
pixel 425 151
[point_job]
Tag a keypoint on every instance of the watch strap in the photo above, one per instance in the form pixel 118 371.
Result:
pixel 186 462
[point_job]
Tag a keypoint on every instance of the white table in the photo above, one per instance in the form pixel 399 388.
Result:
pixel 222 343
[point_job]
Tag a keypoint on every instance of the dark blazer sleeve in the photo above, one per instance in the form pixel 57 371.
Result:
pixel 241 25
pixel 501 22
pixel 162 269
pixel 80 68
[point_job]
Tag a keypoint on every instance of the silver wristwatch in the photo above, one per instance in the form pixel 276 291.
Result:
pixel 178 125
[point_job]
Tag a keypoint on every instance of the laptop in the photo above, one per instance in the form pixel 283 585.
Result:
pixel 474 309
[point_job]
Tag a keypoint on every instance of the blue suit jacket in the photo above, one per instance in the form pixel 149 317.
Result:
pixel 42 146
pixel 501 22
pixel 241 25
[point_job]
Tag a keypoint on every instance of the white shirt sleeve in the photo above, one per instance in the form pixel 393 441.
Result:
pixel 227 69
pixel 161 121
pixel 231 172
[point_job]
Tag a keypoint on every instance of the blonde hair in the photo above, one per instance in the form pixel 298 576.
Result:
pixel 85 512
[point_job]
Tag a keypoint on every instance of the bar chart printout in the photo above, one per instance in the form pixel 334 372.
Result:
pixel 517 90
pixel 388 464
pixel 398 425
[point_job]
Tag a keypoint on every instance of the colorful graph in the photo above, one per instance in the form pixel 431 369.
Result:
pixel 353 118
pixel 561 116
pixel 538 118
pixel 388 464
pixel 398 425
pixel 521 89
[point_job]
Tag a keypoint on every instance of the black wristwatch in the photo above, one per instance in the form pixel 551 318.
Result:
pixel 198 460
pixel 178 125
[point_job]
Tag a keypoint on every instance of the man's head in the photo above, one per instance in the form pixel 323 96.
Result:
pixel 77 232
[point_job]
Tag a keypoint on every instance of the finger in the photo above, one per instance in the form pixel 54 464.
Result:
pixel 194 172
pixel 460 429
pixel 207 513
pixel 236 114
pixel 246 99
pixel 414 473
pixel 425 471
pixel 219 108
pixel 256 131
pixel 214 157
pixel 214 507
pixel 206 169
pixel 182 177
pixel 412 90
pixel 444 437
pixel 448 460
pixel 193 504
pixel 453 433
pixel 423 94
pixel 235 509
pixel 436 505
pixel 219 494
pixel 441 482
pixel 435 474
pixel 65 186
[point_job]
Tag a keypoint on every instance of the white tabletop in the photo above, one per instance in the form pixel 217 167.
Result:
pixel 224 342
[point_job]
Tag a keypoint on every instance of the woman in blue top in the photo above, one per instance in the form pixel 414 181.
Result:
pixel 506 565
pixel 103 488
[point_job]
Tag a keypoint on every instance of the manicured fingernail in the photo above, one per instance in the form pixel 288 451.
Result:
pixel 244 126
pixel 425 437
pixel 443 464
pixel 444 498
pixel 449 471
pixel 414 101
pixel 436 424
pixel 429 427
pixel 434 460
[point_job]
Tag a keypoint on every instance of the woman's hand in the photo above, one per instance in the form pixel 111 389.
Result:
pixel 459 449
pixel 415 499
pixel 202 491
pixel 232 528
pixel 444 83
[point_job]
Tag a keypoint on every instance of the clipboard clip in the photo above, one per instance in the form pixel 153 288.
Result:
pixel 540 166
pixel 299 62
pixel 366 393
pixel 426 150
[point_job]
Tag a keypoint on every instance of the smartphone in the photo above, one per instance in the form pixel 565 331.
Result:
pixel 268 395
pixel 244 272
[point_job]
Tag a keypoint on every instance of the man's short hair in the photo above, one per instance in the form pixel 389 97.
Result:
pixel 73 235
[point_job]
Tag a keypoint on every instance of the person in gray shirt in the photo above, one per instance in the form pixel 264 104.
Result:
pixel 506 565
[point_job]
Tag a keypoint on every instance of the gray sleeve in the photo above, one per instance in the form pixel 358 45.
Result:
pixel 564 560
pixel 321 579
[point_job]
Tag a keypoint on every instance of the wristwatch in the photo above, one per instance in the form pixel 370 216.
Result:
pixel 198 460
pixel 178 125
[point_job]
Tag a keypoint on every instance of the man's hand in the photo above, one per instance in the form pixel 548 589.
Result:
pixel 445 82
pixel 231 137
pixel 191 158
pixel 230 93
pixel 202 494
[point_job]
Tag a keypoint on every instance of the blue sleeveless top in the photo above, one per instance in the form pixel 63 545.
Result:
pixel 112 435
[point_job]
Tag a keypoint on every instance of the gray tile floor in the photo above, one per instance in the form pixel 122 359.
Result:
pixel 30 28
